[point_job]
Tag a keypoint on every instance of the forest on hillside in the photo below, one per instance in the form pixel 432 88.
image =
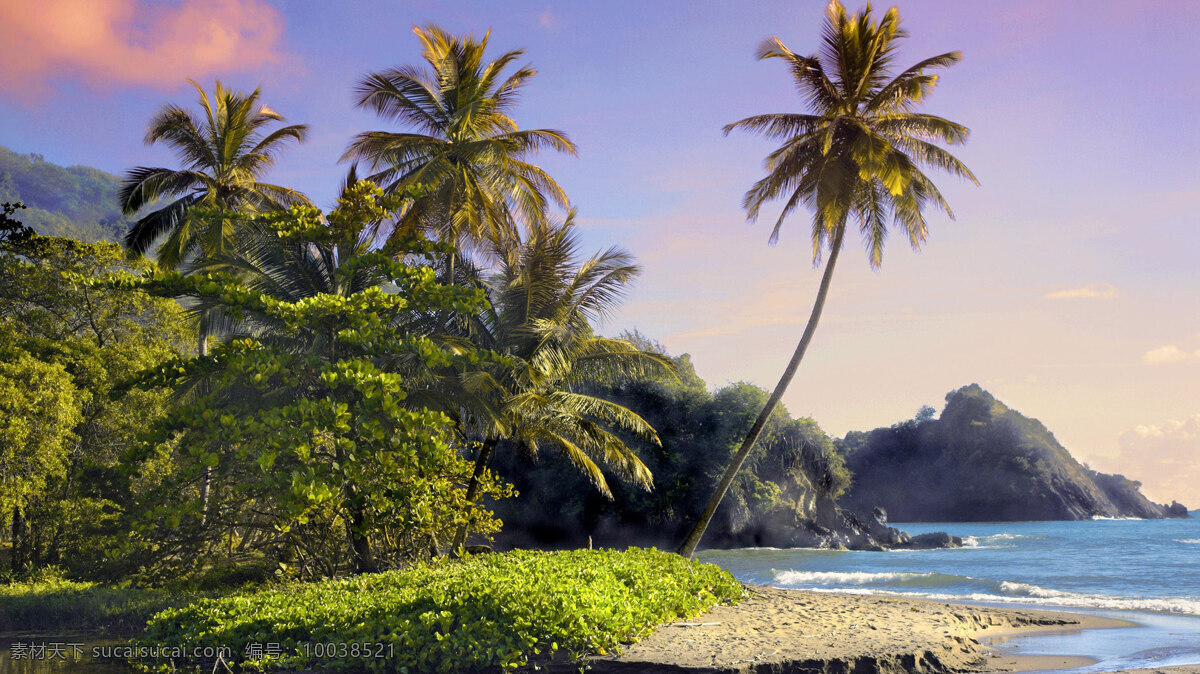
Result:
pixel 77 202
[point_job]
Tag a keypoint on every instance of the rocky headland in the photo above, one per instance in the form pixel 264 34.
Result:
pixel 982 461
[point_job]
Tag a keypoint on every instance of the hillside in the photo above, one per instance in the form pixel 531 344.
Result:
pixel 79 202
pixel 981 461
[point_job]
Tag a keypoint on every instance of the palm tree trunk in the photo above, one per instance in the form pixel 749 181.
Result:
pixel 206 485
pixel 481 461
pixel 689 546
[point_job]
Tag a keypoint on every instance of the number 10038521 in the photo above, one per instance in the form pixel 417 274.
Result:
pixel 322 650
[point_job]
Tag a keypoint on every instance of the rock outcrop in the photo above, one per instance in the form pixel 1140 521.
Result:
pixel 982 461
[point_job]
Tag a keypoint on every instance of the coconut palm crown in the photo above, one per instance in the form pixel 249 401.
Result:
pixel 463 148
pixel 224 153
pixel 858 155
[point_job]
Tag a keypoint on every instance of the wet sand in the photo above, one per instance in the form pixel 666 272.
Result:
pixel 1182 669
pixel 778 630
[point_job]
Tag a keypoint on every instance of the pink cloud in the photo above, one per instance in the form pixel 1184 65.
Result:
pixel 1165 457
pixel 132 42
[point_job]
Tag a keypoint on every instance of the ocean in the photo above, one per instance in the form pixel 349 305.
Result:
pixel 1144 571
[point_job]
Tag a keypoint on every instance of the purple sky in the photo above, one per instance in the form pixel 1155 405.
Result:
pixel 1068 286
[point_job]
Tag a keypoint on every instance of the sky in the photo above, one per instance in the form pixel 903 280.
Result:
pixel 1068 285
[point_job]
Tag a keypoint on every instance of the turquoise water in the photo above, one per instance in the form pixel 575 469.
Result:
pixel 1146 571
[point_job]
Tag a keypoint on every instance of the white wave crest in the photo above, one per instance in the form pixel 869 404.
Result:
pixel 845 578
pixel 1190 541
pixel 1040 596
pixel 993 541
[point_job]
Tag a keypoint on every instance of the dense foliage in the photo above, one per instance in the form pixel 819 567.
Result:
pixel 301 418
pixel 64 345
pixel 77 202
pixel 483 613
pixel 793 467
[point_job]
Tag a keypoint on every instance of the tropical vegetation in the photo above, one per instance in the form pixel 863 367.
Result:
pixel 77 202
pixel 224 153
pixel 793 470
pixel 486 613
pixel 544 302
pixel 65 346
pixel 419 368
pixel 300 417
pixel 462 147
pixel 857 157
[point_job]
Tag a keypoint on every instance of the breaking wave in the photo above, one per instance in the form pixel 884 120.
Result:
pixel 865 578
pixel 940 586
pixel 994 541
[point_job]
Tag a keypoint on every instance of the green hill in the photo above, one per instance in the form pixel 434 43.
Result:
pixel 79 202
pixel 981 461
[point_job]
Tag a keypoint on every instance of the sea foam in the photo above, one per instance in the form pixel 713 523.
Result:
pixel 1023 593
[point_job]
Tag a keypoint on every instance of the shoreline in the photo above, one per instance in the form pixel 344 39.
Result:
pixel 781 630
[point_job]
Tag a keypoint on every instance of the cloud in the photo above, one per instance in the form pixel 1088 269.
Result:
pixel 1165 457
pixel 1095 291
pixel 547 18
pixel 131 42
pixel 1169 354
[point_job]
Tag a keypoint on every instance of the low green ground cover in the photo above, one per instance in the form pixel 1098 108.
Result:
pixel 51 605
pixel 487 612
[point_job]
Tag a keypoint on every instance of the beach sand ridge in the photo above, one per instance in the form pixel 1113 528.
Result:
pixel 775 630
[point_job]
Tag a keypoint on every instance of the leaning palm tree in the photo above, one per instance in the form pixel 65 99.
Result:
pixel 543 305
pixel 462 148
pixel 857 157
pixel 224 155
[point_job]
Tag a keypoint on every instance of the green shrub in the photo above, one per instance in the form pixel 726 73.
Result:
pixel 483 613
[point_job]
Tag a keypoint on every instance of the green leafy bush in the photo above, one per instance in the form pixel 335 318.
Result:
pixel 483 613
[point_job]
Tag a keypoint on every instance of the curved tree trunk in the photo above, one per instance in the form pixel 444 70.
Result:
pixel 481 461
pixel 689 546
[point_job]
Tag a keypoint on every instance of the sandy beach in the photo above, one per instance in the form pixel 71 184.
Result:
pixel 779 630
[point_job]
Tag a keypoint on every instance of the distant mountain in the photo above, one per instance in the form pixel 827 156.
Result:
pixel 981 461
pixel 79 202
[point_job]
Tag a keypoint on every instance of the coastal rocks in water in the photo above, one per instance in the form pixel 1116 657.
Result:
pixel 982 461
pixel 828 526
pixel 1177 510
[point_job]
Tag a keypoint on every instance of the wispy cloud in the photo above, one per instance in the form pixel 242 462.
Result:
pixel 132 42
pixel 547 18
pixel 1169 354
pixel 1095 291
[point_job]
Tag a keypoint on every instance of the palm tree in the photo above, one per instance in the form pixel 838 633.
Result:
pixel 464 150
pixel 857 156
pixel 544 302
pixel 224 155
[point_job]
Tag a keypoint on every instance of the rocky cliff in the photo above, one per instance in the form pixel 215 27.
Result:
pixel 982 461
